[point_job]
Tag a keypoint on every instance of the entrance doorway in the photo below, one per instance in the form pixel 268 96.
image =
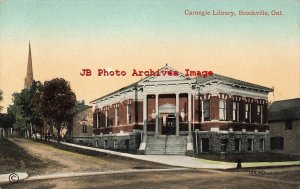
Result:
pixel 168 123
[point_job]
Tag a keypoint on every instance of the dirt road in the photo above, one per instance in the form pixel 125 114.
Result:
pixel 64 161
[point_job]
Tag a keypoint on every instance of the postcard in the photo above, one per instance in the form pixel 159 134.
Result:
pixel 149 94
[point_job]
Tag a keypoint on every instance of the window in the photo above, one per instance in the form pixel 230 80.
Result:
pixel 84 129
pixel 222 109
pixel 206 110
pixel 97 121
pixel 247 113
pixel 105 144
pixel 235 113
pixel 127 145
pixel 259 113
pixel 224 145
pixel 106 118
pixel 277 143
pixel 262 145
pixel 117 115
pixel 115 144
pixel 288 125
pixel 96 143
pixel 250 145
pixel 129 114
pixel 204 145
pixel 238 145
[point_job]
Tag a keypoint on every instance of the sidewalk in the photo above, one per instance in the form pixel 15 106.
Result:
pixel 186 161
pixel 12 177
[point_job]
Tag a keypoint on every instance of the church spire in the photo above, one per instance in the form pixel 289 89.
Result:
pixel 29 74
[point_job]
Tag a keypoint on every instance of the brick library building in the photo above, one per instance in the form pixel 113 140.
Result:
pixel 183 115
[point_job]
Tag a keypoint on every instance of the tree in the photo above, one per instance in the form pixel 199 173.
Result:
pixel 6 120
pixel 1 98
pixel 20 122
pixel 25 109
pixel 32 112
pixel 57 103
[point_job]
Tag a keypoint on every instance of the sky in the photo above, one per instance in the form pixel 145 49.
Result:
pixel 68 36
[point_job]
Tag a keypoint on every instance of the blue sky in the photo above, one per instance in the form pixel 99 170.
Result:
pixel 60 19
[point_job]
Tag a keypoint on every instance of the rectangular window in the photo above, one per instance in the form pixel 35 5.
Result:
pixel 238 145
pixel 262 145
pixel 129 113
pixel 204 145
pixel 97 120
pixel 247 113
pixel 106 118
pixel 84 129
pixel 206 110
pixel 224 143
pixel 259 113
pixel 115 144
pixel 222 109
pixel 288 125
pixel 127 145
pixel 235 111
pixel 250 145
pixel 117 115
pixel 105 144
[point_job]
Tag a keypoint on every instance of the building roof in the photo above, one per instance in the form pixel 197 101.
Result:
pixel 81 106
pixel 232 81
pixel 285 110
pixel 114 92
pixel 198 80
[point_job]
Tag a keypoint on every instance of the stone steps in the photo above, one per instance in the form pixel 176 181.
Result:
pixel 170 145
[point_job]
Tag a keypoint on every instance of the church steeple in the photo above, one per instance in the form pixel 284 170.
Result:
pixel 29 74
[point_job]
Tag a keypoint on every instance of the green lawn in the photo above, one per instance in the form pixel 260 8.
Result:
pixel 13 159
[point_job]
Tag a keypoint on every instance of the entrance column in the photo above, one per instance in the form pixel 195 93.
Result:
pixel 143 143
pixel 189 145
pixel 177 114
pixel 156 114
pixel 145 115
pixel 189 114
pixel 202 111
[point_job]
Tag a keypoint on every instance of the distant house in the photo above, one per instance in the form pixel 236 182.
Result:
pixel 284 119
pixel 6 129
pixel 83 125
pixel 2 132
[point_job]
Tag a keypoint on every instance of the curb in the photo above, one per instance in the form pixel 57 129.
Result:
pixel 79 174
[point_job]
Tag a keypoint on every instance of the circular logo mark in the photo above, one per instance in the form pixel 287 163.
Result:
pixel 13 178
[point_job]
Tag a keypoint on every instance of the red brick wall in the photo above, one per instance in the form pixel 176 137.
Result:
pixel 229 109
pixel 242 111
pixel 137 112
pixel 254 118
pixel 166 99
pixel 265 113
pixel 214 108
pixel 197 110
pixel 111 116
pixel 183 100
pixel 150 108
pixel 123 114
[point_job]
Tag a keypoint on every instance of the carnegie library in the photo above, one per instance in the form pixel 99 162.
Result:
pixel 183 115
